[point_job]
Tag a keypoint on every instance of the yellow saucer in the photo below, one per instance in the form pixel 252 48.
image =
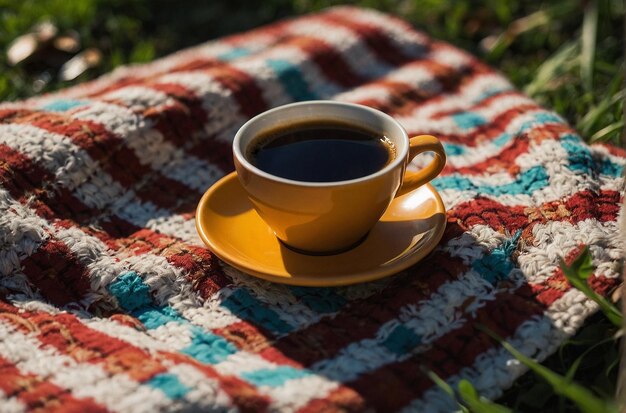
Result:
pixel 228 224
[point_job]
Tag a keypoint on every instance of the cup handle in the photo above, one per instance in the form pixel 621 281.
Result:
pixel 417 145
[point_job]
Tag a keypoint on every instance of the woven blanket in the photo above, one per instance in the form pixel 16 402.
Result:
pixel 109 301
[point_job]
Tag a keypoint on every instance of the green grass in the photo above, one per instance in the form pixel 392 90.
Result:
pixel 566 54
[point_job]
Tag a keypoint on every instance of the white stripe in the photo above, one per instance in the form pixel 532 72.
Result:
pixel 125 333
pixel 118 392
pixel 242 362
pixel 138 99
pixel 168 284
pixel 278 297
pixel 204 393
pixel 402 35
pixel 414 75
pixel 177 226
pixel 149 145
pixel 446 125
pixel 11 404
pixel 452 56
pixel 496 369
pixel 365 92
pixel 468 95
pixel 347 43
pixel 21 233
pixel 218 102
pixel 555 240
pixel 296 393
pixel 474 243
pixel 311 74
pixel 74 169
pixel 255 66
pixel 563 182
pixel 429 319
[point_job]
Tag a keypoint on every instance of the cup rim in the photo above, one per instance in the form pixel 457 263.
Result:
pixel 400 158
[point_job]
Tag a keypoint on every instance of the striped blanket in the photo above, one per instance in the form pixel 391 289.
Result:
pixel 110 302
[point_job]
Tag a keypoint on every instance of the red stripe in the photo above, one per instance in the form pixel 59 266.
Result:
pixel 246 336
pixel 181 122
pixel 199 63
pixel 59 276
pixel 215 152
pixel 330 62
pixel 342 399
pixel 505 161
pixel 36 393
pixel 246 92
pixel 200 265
pixel 602 206
pixel 478 105
pixel 554 287
pixel 491 129
pixel 24 178
pixel 18 174
pixel 113 157
pixel 361 319
pixel 376 39
pixel 245 396
pixel 405 98
pixel 70 337
pixel 404 380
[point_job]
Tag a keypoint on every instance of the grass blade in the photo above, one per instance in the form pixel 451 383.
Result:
pixel 550 68
pixel 586 401
pixel 479 404
pixel 588 41
pixel 602 134
pixel 577 274
pixel 439 382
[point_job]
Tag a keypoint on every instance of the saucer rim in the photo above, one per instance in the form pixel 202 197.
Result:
pixel 335 280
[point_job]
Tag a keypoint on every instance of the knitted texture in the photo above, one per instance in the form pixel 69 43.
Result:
pixel 109 301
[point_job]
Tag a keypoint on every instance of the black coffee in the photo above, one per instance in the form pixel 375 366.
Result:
pixel 320 151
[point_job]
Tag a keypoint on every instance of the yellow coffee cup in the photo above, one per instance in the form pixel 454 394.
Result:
pixel 330 217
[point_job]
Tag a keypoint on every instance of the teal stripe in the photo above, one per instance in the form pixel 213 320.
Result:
pixel 504 138
pixel 245 306
pixel 273 377
pixel 233 54
pixel 401 340
pixel 497 265
pixel 62 105
pixel 453 149
pixel 292 80
pixel 468 120
pixel 133 295
pixel 320 300
pixel 537 118
pixel 130 291
pixel 581 160
pixel 208 348
pixel 526 183
pixel 169 385
pixel 492 91
pixel 153 317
